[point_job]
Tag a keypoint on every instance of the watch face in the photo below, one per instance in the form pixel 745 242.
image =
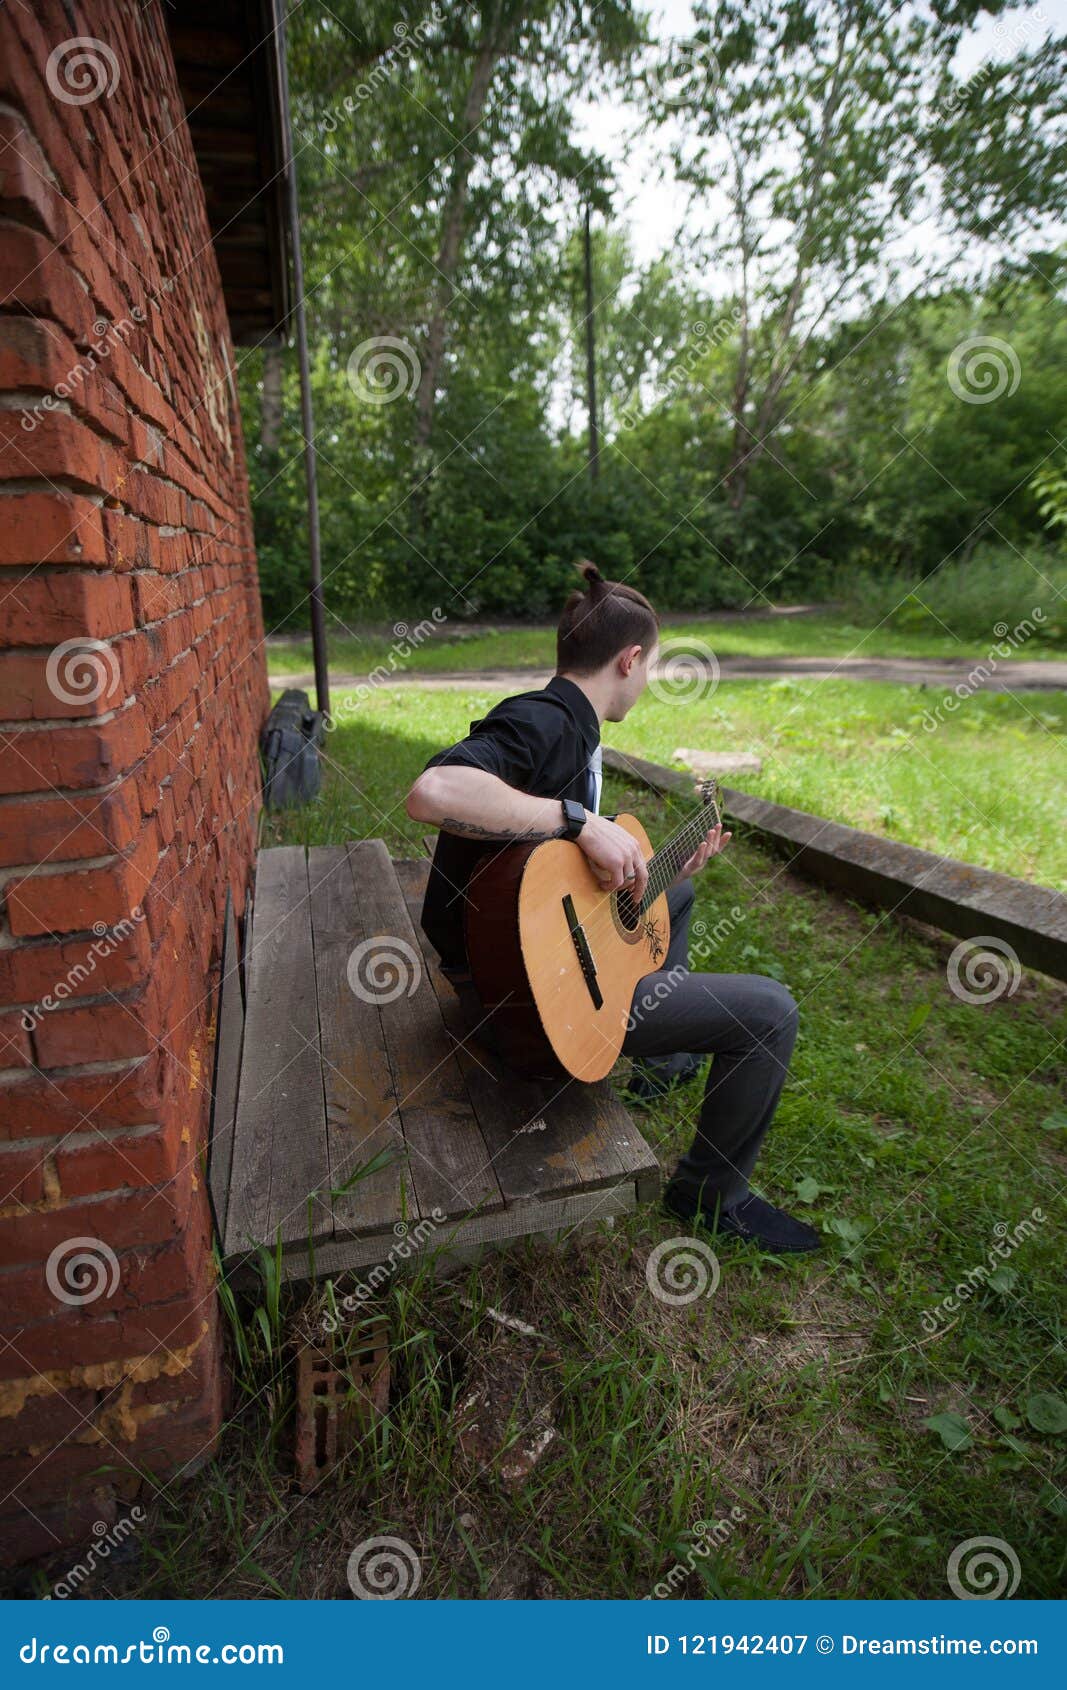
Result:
pixel 575 815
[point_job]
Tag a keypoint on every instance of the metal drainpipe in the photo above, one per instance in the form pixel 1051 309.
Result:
pixel 318 607
pixel 590 352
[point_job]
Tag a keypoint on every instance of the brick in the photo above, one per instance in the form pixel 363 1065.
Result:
pixel 122 1222
pixel 50 527
pixel 37 279
pixel 79 680
pixel 71 902
pixel 26 195
pixel 98 1032
pixel 60 445
pixel 64 971
pixel 115 1163
pixel 87 755
pixel 64 1101
pixel 195 1383
pixel 21 1176
pixel 129 541
pixel 160 1274
pixel 51 1345
pixel 37 355
pixel 46 1419
pixel 27 1535
pixel 15 1050
pixel 49 606
pixel 41 829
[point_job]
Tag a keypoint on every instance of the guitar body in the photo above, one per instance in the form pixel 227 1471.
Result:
pixel 555 958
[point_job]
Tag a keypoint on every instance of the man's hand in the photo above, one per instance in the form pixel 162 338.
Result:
pixel 614 854
pixel 714 841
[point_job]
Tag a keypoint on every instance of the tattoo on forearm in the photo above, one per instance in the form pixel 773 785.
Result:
pixel 474 830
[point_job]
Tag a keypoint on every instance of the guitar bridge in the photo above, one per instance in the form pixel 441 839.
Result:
pixel 584 954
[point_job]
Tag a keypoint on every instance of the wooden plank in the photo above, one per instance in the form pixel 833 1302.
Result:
pixel 511 1109
pixel 361 1115
pixel 229 1031
pixel 459 1238
pixel 280 1154
pixel 447 1155
pixel 545 1138
pixel 669 782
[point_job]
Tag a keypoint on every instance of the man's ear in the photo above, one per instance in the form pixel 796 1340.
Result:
pixel 627 658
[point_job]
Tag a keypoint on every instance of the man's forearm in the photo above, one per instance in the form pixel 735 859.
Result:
pixel 478 805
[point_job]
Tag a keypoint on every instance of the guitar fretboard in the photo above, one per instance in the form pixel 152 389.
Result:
pixel 665 863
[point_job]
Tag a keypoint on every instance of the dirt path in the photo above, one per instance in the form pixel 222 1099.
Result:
pixel 936 673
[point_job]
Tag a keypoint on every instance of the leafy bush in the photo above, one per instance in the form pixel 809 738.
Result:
pixel 973 598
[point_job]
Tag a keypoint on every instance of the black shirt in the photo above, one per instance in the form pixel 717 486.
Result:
pixel 540 743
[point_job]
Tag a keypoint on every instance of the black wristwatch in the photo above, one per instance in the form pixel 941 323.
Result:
pixel 574 818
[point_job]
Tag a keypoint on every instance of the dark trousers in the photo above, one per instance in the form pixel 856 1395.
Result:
pixel 748 1023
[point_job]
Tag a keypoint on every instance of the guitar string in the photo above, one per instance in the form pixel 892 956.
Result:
pixel 670 855
pixel 609 913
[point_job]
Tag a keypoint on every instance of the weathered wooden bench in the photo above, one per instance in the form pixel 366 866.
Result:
pixel 351 1107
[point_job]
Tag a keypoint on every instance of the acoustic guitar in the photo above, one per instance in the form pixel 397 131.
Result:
pixel 555 959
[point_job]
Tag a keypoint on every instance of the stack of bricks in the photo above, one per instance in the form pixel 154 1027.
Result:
pixel 133 688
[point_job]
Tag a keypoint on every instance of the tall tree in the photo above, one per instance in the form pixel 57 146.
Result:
pixel 813 139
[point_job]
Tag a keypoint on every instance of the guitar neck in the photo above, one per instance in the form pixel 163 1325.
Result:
pixel 664 864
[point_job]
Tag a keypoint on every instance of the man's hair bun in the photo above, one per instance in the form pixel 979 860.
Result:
pixel 590 573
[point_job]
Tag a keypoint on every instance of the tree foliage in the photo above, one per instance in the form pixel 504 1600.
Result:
pixel 793 390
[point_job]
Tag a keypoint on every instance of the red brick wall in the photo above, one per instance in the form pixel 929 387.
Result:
pixel 129 779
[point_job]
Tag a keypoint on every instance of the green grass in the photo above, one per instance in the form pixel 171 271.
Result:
pixel 823 634
pixel 985 785
pixel 914 1126
pixel 999 585
pixel 983 782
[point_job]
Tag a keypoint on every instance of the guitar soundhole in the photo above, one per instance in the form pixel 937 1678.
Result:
pixel 628 912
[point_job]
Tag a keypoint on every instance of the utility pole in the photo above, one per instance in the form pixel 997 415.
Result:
pixel 590 355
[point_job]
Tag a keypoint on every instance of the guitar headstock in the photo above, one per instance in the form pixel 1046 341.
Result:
pixel 711 799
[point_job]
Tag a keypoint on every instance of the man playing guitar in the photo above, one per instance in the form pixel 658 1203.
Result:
pixel 531 770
